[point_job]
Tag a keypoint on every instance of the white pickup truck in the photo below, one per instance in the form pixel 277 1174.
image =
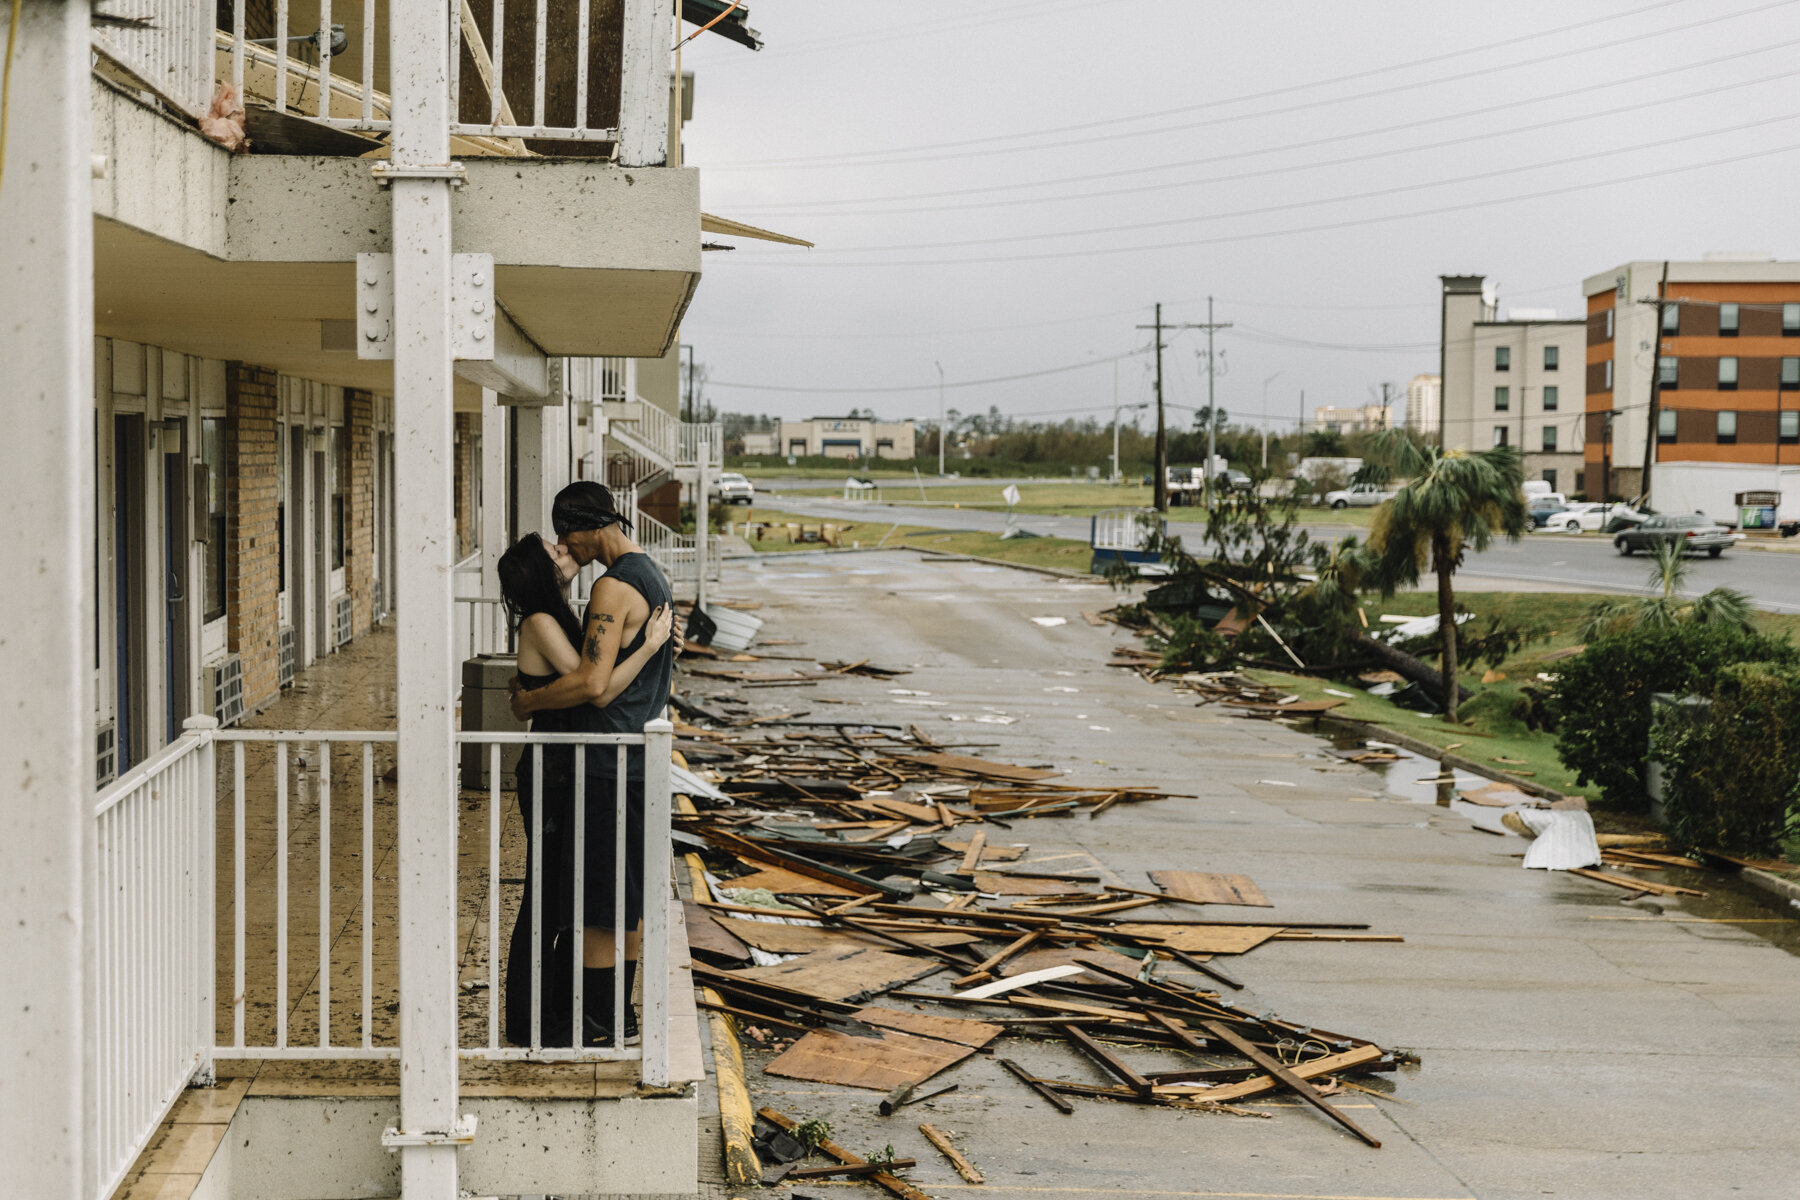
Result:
pixel 1359 495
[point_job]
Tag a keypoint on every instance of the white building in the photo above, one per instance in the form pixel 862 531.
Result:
pixel 1366 418
pixel 1425 405
pixel 847 437
pixel 1514 381
pixel 261 403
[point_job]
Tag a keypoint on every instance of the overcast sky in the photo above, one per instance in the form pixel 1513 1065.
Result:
pixel 1006 188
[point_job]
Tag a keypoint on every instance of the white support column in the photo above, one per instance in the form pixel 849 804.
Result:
pixel 533 480
pixel 495 537
pixel 701 486
pixel 47 1103
pixel 421 171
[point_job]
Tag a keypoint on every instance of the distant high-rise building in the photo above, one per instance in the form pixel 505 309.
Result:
pixel 1367 418
pixel 1425 405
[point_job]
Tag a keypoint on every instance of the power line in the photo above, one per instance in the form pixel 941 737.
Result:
pixel 929 387
pixel 1318 201
pixel 863 158
pixel 991 16
pixel 1323 227
pixel 1310 165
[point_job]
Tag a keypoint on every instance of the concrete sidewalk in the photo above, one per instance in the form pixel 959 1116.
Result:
pixel 1571 1045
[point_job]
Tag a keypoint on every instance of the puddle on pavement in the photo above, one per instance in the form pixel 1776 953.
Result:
pixel 1730 901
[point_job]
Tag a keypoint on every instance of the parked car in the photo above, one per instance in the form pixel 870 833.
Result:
pixel 1359 495
pixel 1582 517
pixel 1233 479
pixel 1690 531
pixel 733 488
pixel 1543 505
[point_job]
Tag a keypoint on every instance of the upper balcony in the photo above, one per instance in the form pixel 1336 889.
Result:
pixel 561 116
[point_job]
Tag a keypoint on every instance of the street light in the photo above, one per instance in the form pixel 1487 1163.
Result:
pixel 940 367
pixel 1265 420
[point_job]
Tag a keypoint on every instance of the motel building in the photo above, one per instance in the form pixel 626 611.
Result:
pixel 276 410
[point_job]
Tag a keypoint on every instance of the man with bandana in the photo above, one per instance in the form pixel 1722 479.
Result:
pixel 588 525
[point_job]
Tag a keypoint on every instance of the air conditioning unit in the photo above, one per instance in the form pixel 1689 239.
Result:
pixel 225 685
pixel 342 622
pixel 106 753
pixel 285 659
pixel 379 603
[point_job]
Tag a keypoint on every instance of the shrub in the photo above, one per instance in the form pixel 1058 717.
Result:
pixel 1732 778
pixel 1601 700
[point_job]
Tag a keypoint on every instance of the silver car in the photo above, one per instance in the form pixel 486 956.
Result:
pixel 1690 531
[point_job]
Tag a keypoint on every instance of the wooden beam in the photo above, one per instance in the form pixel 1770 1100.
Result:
pixel 887 1182
pixel 963 1166
pixel 1037 1085
pixel 1277 1071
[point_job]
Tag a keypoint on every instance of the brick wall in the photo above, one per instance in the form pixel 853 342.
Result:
pixel 252 551
pixel 467 424
pixel 359 561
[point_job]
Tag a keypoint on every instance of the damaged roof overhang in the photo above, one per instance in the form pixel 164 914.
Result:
pixel 699 12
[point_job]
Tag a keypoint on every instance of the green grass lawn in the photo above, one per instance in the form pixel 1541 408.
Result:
pixel 1059 500
pixel 1066 553
pixel 1490 730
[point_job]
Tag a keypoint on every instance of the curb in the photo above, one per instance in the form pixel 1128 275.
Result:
pixel 1054 572
pixel 1781 886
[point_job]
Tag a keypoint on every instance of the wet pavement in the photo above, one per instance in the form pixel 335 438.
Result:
pixel 1571 1043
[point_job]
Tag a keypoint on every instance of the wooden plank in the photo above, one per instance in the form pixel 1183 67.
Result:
pixel 960 1030
pixel 804 939
pixel 890 1183
pixel 990 854
pixel 879 1064
pixel 1018 885
pixel 963 764
pixel 1203 939
pixel 1636 885
pixel 1293 1082
pixel 1014 982
pixel 706 936
pixel 1037 1085
pixel 784 882
pixel 1257 1084
pixel 972 857
pixel 963 1166
pixel 987 965
pixel 840 974
pixel 846 1170
pixel 1114 1066
pixel 1205 887
pixel 1094 619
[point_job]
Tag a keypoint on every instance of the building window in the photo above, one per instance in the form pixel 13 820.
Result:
pixel 1665 425
pixel 1788 428
pixel 1502 358
pixel 1500 435
pixel 1790 374
pixel 1790 320
pixel 1549 439
pixel 1551 395
pixel 1552 357
pixel 1609 324
pixel 1607 386
pixel 1549 477
pixel 212 458
pixel 1668 372
pixel 1672 318
pixel 1728 320
pixel 338 455
pixel 1728 374
pixel 1502 399
pixel 1727 428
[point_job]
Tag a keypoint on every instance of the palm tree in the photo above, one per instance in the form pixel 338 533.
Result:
pixel 1668 571
pixel 1453 500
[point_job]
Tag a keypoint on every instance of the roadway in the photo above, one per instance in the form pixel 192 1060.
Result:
pixel 1583 562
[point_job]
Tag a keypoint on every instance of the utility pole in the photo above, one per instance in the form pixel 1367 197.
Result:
pixel 941 430
pixel 1265 420
pixel 1650 428
pixel 689 351
pixel 1115 456
pixel 1161 478
pixel 1212 412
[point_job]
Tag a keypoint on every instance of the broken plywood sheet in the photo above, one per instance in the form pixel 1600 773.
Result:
pixel 1497 795
pixel 1057 956
pixel 1020 885
pixel 780 938
pixel 1205 887
pixel 959 1030
pixel 880 1064
pixel 706 936
pixel 1203 939
pixel 989 852
pixel 784 882
pixel 842 974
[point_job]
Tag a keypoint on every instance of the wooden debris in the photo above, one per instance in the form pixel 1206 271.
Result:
pixel 1204 888
pixel 937 1138
pixel 881 1063
pixel 881 1177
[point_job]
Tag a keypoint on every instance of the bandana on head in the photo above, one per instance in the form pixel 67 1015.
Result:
pixel 584 505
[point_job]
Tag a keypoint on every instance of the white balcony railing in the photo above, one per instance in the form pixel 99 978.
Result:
pixel 645 430
pixel 310 943
pixel 594 380
pixel 154 944
pixel 171 52
pixel 674 552
pixel 693 434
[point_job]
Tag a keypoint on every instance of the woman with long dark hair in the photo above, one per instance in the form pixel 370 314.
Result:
pixel 534 581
